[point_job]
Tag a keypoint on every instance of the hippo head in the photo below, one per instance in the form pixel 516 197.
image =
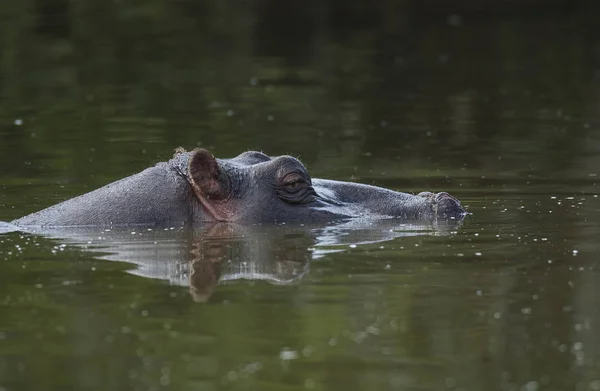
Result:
pixel 254 187
pixel 195 187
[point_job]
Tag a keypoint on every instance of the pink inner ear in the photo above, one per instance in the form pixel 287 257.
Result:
pixel 205 180
pixel 211 188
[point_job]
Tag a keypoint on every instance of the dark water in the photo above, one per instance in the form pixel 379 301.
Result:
pixel 501 111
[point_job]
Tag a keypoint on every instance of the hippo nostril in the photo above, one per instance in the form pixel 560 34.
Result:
pixel 441 196
pixel 447 206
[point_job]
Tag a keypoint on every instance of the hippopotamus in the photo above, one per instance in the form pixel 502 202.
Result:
pixel 195 188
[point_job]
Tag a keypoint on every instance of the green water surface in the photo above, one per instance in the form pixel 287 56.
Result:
pixel 499 109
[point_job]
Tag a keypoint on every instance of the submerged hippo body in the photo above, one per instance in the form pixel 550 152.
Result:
pixel 195 187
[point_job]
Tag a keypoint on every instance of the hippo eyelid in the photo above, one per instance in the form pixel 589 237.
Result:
pixel 293 177
pixel 294 188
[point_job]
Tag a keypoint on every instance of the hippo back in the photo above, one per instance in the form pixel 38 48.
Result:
pixel 155 196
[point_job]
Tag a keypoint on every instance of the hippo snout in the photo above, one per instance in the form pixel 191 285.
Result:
pixel 444 205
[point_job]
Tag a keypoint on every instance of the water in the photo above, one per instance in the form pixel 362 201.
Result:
pixel 499 111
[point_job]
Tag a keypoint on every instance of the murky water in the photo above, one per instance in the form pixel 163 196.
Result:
pixel 502 113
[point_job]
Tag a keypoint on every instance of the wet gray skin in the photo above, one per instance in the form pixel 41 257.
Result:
pixel 195 187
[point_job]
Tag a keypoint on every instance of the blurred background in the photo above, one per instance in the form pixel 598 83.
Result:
pixel 91 90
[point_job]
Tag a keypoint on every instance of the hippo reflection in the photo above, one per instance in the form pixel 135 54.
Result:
pixel 195 187
pixel 218 253
pixel 225 252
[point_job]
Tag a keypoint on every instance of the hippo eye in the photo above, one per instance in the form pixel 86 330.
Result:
pixel 295 189
pixel 293 185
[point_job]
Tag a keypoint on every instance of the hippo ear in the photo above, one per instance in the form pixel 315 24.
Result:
pixel 208 181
